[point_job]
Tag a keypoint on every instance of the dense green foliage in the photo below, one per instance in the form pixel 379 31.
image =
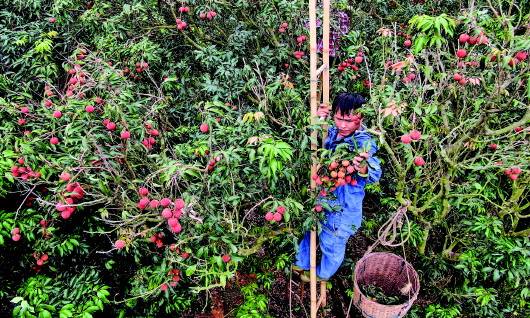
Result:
pixel 130 63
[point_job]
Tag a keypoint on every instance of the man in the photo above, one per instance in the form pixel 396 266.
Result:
pixel 340 225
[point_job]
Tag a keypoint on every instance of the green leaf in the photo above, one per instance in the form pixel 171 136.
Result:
pixel 45 314
pixel 16 300
pixel 191 270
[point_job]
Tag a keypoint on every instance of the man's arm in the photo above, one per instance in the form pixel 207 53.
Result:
pixel 372 171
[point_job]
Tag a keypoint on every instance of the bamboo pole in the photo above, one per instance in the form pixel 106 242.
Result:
pixel 314 102
pixel 325 59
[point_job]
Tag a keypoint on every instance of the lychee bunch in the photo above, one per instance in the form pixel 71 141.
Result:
pixel 175 276
pixel 24 172
pixel 413 135
pixel 513 172
pixel 171 211
pixel 213 162
pixel 150 141
pixel 207 15
pixel 283 27
pixel 157 239
pixel 275 216
pixel 73 194
pixel 181 25
pixel 15 234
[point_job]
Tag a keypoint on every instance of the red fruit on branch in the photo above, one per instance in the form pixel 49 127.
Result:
pixel 119 244
pixel 176 229
pixel 516 170
pixel 66 214
pixel 125 134
pixel 54 140
pixel 518 129
pixel 457 77
pixel 521 55
pixel 226 258
pixel 358 59
pixel 280 209
pixel 143 192
pixel 269 216
pixel 277 217
pixel 493 146
pixel 172 222
pixel 179 204
pixel 407 43
pixel 318 208
pixel 111 126
pixel 154 204
pixel 406 139
pixel 165 202
pixel 143 203
pixel 418 161
pixel 57 114
pixel 463 38
pixel 204 128
pixel 89 109
pixel 415 135
pixel 64 176
pixel 461 53
pixel 167 213
pixel 472 40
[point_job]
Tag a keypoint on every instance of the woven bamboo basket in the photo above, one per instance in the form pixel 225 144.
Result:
pixel 389 272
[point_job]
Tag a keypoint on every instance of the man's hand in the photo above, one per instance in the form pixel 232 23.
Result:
pixel 357 165
pixel 323 111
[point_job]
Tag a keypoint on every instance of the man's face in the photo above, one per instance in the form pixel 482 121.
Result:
pixel 347 123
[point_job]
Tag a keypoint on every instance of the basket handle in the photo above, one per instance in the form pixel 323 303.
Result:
pixel 391 226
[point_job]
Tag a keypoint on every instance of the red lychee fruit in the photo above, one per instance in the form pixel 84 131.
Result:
pixel 461 53
pixel 418 161
pixel 406 139
pixel 415 135
pixel 143 192
pixel 119 244
pixel 125 134
pixel 269 216
pixel 463 38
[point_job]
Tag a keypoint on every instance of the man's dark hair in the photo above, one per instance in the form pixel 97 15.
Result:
pixel 346 103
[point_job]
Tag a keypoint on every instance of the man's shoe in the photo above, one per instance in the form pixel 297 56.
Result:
pixel 297 269
pixel 306 277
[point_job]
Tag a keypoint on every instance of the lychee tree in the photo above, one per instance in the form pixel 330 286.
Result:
pixel 166 145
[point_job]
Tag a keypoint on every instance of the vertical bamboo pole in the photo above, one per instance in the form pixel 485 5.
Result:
pixel 314 101
pixel 313 104
pixel 325 59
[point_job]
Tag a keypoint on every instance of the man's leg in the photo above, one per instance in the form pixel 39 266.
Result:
pixel 333 247
pixel 302 257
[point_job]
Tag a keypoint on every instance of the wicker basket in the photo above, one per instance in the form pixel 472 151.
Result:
pixel 389 272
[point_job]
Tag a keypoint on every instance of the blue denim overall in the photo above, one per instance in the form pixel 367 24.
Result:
pixel 340 225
